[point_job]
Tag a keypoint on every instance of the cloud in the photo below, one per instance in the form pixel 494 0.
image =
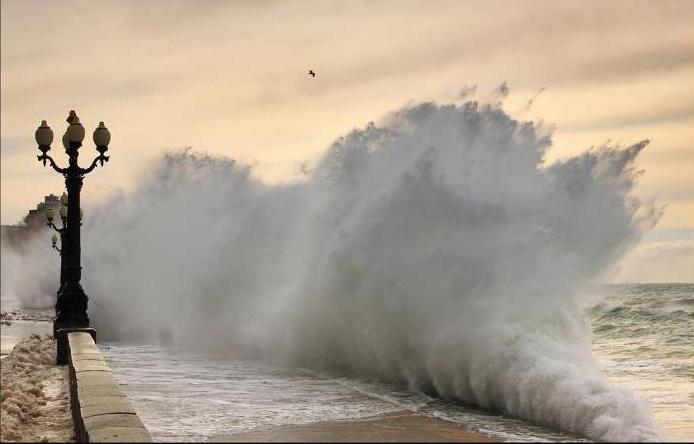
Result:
pixel 676 112
pixel 636 62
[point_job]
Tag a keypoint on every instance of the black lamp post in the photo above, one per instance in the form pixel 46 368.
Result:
pixel 50 215
pixel 54 241
pixel 71 306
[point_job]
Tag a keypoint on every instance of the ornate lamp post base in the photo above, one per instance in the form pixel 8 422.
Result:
pixel 71 316
pixel 71 309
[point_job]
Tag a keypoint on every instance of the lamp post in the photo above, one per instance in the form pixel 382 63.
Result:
pixel 71 306
pixel 50 215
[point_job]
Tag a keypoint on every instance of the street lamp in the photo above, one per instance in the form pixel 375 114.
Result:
pixel 54 242
pixel 50 215
pixel 71 306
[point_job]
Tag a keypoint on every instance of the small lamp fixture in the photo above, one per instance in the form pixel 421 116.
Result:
pixel 50 214
pixel 44 137
pixel 102 137
pixel 63 212
pixel 75 132
pixel 54 240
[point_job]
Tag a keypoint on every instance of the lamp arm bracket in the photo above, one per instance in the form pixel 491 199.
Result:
pixel 101 158
pixel 45 157
pixel 52 225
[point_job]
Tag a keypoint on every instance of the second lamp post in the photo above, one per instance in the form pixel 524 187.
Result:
pixel 50 215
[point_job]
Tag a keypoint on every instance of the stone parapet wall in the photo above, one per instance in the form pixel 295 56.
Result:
pixel 101 411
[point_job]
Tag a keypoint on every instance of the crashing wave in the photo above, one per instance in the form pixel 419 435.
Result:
pixel 435 249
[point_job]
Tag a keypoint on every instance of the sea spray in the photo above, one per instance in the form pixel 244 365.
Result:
pixel 455 260
pixel 28 271
pixel 434 249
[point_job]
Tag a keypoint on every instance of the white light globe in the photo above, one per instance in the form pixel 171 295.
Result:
pixel 44 134
pixel 75 132
pixel 102 136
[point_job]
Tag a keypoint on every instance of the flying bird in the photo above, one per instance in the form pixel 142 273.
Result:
pixel 311 73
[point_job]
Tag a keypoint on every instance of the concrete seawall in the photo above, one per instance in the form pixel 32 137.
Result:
pixel 100 409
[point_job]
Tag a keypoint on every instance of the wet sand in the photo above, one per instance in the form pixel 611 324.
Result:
pixel 403 426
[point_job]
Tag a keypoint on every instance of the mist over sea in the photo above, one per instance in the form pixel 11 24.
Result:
pixel 432 259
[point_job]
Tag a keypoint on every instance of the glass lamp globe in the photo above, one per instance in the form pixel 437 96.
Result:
pixel 63 199
pixel 50 214
pixel 63 212
pixel 102 136
pixel 75 132
pixel 44 135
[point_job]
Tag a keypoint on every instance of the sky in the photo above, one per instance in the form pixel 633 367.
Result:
pixel 229 77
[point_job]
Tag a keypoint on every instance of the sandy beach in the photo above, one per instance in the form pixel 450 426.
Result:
pixel 403 426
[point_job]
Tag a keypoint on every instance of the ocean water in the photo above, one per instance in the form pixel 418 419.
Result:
pixel 642 338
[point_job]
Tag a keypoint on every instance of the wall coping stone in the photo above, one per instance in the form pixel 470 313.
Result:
pixel 87 401
pixel 100 409
pixel 120 434
pixel 112 420
pixel 110 407
pixel 82 357
pixel 82 366
pixel 99 391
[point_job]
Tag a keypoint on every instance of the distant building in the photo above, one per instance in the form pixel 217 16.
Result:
pixel 37 218
pixel 33 222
